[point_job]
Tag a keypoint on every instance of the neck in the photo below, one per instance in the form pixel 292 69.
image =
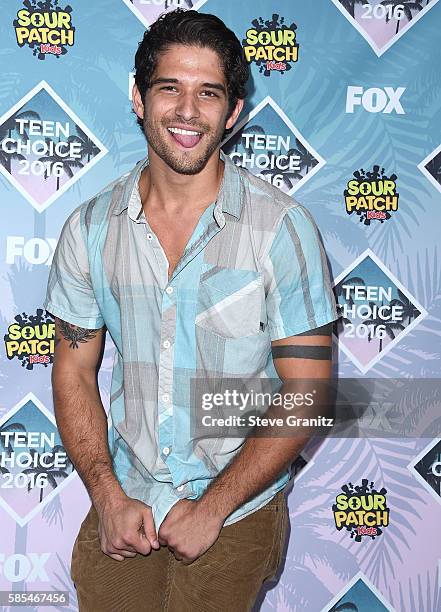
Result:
pixel 163 188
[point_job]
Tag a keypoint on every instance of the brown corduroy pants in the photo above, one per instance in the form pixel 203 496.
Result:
pixel 227 577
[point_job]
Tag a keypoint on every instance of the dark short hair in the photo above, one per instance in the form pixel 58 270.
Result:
pixel 194 29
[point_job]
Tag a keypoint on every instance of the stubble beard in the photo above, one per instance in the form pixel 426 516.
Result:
pixel 181 162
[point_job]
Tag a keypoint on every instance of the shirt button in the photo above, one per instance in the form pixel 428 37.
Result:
pixel 165 397
pixel 180 488
pixel 166 344
pixel 149 237
pixel 166 450
pixel 169 290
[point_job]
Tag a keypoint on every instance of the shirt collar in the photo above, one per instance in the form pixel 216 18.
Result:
pixel 230 197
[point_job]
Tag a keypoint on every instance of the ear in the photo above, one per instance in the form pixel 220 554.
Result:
pixel 234 115
pixel 137 103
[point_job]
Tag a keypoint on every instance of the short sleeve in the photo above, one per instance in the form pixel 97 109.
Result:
pixel 299 295
pixel 70 293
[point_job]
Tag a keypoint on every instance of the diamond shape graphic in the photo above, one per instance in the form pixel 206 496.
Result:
pixel 383 23
pixel 376 310
pixel 148 11
pixel 34 466
pixel 431 167
pixel 359 594
pixel 268 144
pixel 426 467
pixel 45 147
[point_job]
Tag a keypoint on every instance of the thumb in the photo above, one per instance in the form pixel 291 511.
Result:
pixel 149 528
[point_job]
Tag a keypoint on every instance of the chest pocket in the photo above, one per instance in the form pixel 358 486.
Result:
pixel 231 303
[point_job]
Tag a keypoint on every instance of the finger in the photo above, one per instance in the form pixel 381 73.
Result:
pixel 187 561
pixel 120 552
pixel 149 528
pixel 113 556
pixel 109 547
pixel 126 546
pixel 177 555
pixel 162 541
pixel 182 558
pixel 126 553
pixel 143 546
pixel 119 543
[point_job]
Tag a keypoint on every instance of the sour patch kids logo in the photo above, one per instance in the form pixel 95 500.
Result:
pixel 31 339
pixel 362 510
pixel 271 44
pixel 372 195
pixel 45 27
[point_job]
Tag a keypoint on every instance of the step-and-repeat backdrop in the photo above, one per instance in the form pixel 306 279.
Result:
pixel 344 114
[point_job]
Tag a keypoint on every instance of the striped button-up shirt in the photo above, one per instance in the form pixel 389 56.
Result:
pixel 253 271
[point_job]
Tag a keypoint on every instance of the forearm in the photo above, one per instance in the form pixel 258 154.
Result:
pixel 271 449
pixel 82 424
pixel 260 461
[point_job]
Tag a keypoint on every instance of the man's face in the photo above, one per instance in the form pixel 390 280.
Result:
pixel 185 109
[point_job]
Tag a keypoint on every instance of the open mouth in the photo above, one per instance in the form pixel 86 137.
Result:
pixel 186 138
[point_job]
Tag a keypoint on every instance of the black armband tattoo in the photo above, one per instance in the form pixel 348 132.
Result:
pixel 75 334
pixel 301 352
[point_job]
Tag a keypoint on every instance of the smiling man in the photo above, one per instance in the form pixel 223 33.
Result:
pixel 197 270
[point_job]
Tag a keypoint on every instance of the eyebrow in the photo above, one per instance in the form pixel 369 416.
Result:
pixel 161 80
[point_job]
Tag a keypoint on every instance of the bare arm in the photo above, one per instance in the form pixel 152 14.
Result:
pixel 262 459
pixel 79 412
pixel 82 423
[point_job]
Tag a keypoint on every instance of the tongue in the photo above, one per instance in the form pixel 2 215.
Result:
pixel 186 140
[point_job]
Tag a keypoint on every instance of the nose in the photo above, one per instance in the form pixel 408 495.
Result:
pixel 187 107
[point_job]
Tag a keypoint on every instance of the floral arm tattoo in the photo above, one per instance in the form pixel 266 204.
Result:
pixel 74 335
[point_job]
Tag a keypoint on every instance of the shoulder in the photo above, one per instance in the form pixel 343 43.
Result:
pixel 97 209
pixel 102 204
pixel 268 202
pixel 271 209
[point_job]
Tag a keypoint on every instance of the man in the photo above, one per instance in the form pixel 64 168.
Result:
pixel 196 269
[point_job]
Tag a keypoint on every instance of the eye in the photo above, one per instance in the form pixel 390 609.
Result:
pixel 168 88
pixel 210 94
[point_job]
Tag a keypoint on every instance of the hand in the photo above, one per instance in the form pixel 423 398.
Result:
pixel 126 527
pixel 189 530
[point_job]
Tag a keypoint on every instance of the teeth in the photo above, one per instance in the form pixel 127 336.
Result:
pixel 185 132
